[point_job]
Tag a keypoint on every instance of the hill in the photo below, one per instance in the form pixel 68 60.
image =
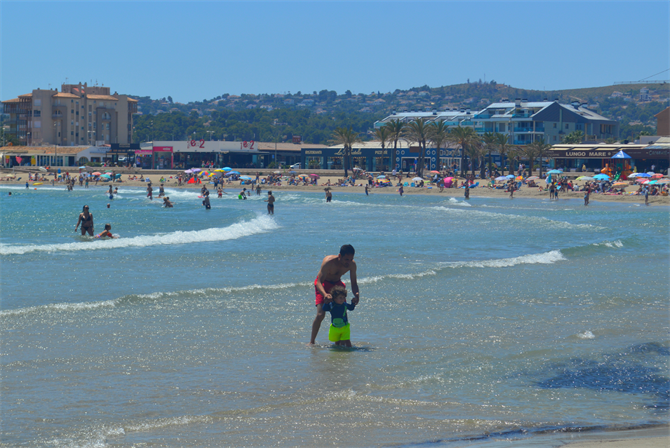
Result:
pixel 314 115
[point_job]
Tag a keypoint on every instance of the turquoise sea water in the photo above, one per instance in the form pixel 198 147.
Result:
pixel 481 321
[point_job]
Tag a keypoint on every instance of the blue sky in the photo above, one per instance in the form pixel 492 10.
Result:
pixel 199 50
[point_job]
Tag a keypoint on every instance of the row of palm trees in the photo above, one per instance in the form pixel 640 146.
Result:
pixel 438 135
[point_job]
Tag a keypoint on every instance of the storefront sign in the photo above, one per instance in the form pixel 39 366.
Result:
pixel 313 153
pixel 161 149
pixel 143 152
pixel 635 153
pixel 354 152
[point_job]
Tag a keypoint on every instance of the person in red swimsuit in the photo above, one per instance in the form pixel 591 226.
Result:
pixel 333 267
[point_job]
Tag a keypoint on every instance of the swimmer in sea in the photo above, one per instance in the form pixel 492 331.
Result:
pixel 107 233
pixel 161 191
pixel 86 220
pixel 166 202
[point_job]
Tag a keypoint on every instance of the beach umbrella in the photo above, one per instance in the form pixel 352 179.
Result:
pixel 584 178
pixel 663 181
pixel 621 155
pixel 435 172
pixel 657 176
pixel 226 168
pixel 212 174
pixel 532 178
pixel 97 173
pixel 82 167
pixel 651 173
pixel 555 172
pixel 220 170
pixel 245 177
pixel 652 182
pixel 381 177
pixel 231 173
pixel 601 177
pixel 501 178
pixel 117 176
pixel 642 181
pixel 620 184
pixel 42 168
pixel 417 179
pixel 277 172
pixel 195 170
pixel 105 175
pixel 315 176
pixel 519 178
pixel 509 176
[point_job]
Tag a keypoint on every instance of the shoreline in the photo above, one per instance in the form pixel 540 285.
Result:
pixel 478 192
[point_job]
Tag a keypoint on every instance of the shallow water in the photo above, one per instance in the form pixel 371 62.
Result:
pixel 495 316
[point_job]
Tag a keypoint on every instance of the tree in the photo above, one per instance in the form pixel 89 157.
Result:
pixel 395 133
pixel 346 137
pixel 438 134
pixel 417 131
pixel 537 149
pixel 464 137
pixel 383 133
pixel 575 137
pixel 502 145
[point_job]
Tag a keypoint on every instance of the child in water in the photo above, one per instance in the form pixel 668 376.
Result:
pixel 339 332
pixel 107 233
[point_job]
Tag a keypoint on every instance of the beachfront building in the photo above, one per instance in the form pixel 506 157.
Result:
pixel 524 121
pixel 371 156
pixel 77 115
pixel 197 153
pixel 529 121
pixel 596 157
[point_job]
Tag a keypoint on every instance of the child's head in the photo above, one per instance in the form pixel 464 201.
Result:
pixel 108 227
pixel 339 294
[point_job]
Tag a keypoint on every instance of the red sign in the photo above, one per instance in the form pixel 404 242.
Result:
pixel 143 152
pixel 162 148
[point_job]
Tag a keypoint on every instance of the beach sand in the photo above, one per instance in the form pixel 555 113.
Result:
pixel 478 192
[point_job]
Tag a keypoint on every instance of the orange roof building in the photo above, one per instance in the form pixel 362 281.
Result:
pixel 77 115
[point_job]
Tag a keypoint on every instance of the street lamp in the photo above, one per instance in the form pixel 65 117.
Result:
pixel 210 135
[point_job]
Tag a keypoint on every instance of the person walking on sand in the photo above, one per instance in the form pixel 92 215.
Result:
pixel 333 267
pixel 86 221
pixel 271 203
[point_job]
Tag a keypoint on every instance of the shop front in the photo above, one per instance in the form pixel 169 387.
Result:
pixel 144 158
pixel 599 157
pixel 369 159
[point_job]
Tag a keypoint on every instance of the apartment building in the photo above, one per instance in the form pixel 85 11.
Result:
pixel 523 121
pixel 77 115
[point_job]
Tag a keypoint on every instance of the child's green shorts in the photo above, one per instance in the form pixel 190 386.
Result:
pixel 339 334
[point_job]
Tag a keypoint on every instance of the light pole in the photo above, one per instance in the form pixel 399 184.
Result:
pixel 210 135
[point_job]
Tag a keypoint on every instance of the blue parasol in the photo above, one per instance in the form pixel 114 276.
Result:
pixel 621 155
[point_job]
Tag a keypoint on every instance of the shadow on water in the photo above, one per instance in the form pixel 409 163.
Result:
pixel 340 348
pixel 625 372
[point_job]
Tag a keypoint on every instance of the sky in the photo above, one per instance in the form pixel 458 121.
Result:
pixel 199 50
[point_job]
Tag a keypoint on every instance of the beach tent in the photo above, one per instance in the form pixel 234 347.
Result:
pixel 621 155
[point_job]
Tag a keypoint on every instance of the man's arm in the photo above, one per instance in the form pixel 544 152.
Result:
pixel 354 284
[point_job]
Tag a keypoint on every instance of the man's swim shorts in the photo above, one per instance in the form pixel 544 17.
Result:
pixel 327 286
pixel 339 334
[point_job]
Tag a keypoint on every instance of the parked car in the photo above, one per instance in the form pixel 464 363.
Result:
pixel 295 166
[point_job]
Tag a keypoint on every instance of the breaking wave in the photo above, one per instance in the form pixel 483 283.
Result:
pixel 257 225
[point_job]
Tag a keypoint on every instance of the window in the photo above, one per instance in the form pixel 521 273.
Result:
pixel 37 113
pixel 38 102
pixel 37 124
pixel 566 126
pixel 554 125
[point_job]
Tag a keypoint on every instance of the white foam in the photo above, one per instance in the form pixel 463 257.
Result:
pixel 60 307
pixel 543 258
pixel 586 335
pixel 459 203
pixel 258 225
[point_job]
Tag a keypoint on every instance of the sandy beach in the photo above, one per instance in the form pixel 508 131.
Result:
pixel 235 187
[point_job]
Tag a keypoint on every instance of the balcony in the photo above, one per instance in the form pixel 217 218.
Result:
pixel 538 129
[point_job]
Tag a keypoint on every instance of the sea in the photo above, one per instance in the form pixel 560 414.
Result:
pixel 481 323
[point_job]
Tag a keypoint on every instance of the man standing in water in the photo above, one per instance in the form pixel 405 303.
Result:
pixel 333 267
pixel 271 203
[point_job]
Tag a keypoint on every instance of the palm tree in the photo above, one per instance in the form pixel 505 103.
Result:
pixel 383 134
pixel 417 131
pixel 490 143
pixel 465 138
pixel 575 137
pixel 438 133
pixel 503 145
pixel 395 128
pixel 537 149
pixel 515 154
pixel 346 137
